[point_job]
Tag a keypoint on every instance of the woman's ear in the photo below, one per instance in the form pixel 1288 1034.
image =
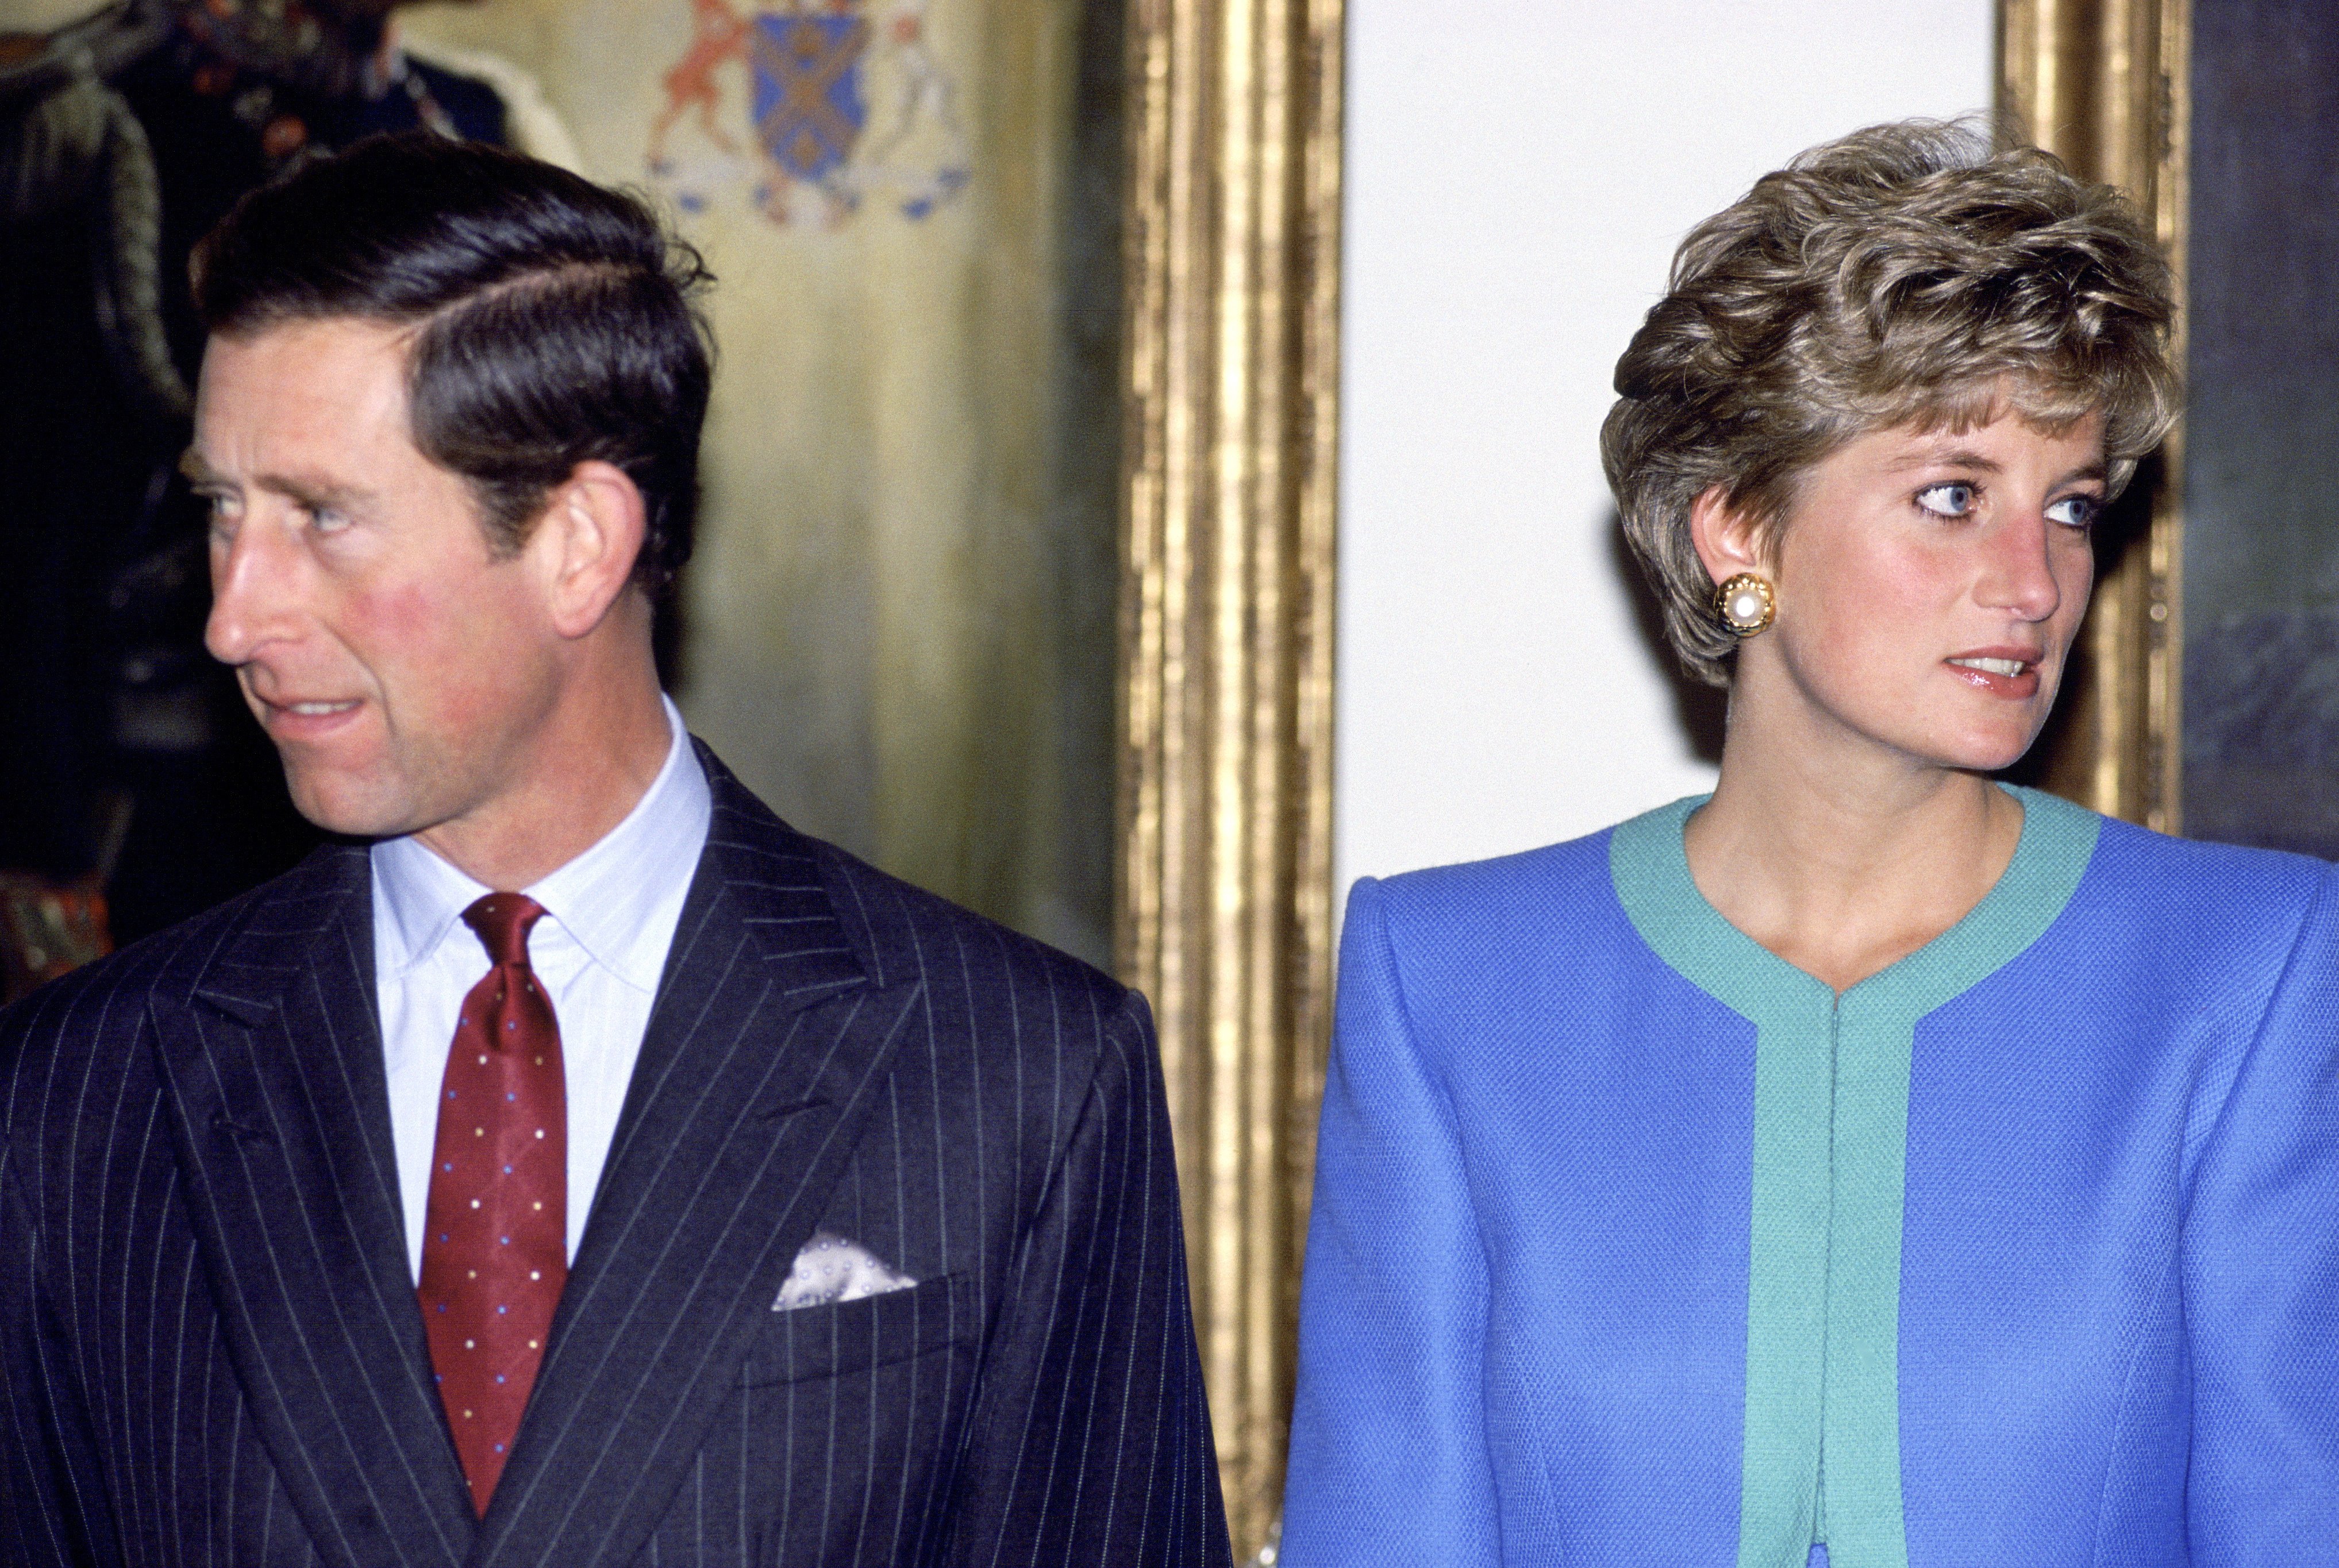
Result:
pixel 1728 541
pixel 590 533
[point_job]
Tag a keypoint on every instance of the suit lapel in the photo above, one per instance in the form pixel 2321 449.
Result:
pixel 762 1057
pixel 281 1120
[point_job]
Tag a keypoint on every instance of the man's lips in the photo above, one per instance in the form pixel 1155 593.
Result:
pixel 305 717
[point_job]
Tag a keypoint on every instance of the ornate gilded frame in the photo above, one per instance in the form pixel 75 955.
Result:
pixel 2103 84
pixel 1225 898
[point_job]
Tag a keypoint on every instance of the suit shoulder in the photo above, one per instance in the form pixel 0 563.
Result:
pixel 2211 918
pixel 1546 890
pixel 1009 1020
pixel 105 999
pixel 899 928
pixel 2202 878
pixel 986 984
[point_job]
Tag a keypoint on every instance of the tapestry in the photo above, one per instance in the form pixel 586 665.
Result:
pixel 900 628
pixel 798 144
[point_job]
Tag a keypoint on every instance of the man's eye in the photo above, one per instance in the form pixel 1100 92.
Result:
pixel 2075 511
pixel 326 520
pixel 1952 500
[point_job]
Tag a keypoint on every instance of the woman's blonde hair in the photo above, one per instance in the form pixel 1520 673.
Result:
pixel 1905 275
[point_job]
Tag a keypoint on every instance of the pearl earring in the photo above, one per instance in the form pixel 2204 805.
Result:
pixel 1744 604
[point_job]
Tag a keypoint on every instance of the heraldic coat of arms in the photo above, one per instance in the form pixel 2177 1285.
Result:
pixel 817 72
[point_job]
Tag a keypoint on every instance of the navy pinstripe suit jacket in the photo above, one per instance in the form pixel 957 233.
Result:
pixel 211 1351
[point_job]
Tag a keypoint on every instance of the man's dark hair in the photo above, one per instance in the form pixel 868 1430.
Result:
pixel 556 321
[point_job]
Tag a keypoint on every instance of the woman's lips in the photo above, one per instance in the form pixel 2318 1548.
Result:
pixel 2003 674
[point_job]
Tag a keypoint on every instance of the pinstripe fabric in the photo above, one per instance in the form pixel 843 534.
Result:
pixel 210 1352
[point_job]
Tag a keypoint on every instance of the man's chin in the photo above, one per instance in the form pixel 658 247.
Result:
pixel 337 806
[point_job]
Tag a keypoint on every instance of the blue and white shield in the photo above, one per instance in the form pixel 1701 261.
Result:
pixel 808 104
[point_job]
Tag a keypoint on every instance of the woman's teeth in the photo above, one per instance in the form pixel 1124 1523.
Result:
pixel 1994 666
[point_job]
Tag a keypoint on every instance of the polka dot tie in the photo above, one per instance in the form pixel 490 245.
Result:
pixel 495 1253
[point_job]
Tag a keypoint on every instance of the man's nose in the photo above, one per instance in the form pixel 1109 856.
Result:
pixel 254 591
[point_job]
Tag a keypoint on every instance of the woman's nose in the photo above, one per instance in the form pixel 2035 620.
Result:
pixel 2020 575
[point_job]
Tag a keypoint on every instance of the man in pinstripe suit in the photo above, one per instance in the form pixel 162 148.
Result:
pixel 574 1165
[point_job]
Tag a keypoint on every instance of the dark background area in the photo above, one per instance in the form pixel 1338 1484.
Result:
pixel 2261 709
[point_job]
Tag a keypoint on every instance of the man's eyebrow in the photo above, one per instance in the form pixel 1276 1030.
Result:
pixel 196 471
pixel 309 489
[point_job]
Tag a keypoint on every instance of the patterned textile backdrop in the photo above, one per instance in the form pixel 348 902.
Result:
pixel 900 625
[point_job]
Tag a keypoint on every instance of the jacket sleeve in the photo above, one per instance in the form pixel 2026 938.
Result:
pixel 1389 1460
pixel 1090 1439
pixel 49 1472
pixel 2260 1272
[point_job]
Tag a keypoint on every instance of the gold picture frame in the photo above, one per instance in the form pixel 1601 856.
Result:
pixel 1224 913
pixel 2102 84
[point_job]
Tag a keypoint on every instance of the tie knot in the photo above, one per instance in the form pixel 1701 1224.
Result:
pixel 502 920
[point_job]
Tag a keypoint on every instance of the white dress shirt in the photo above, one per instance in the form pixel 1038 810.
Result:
pixel 598 951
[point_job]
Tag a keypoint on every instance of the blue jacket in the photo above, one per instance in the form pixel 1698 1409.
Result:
pixel 1632 1243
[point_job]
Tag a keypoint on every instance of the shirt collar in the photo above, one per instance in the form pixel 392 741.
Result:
pixel 609 899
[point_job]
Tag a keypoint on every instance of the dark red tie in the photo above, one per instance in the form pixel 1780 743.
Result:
pixel 496 1250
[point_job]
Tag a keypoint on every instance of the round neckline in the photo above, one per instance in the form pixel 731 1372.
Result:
pixel 1649 865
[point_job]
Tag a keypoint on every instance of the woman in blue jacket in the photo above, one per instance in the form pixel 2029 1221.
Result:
pixel 1869 1164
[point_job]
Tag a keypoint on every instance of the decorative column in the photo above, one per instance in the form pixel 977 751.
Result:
pixel 2104 85
pixel 1227 622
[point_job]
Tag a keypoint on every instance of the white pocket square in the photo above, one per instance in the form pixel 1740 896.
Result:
pixel 831 1268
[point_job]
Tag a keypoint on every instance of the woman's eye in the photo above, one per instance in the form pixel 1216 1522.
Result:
pixel 1953 500
pixel 2075 511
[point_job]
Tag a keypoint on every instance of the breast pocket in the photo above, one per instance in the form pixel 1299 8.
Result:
pixel 805 1343
pixel 837 1439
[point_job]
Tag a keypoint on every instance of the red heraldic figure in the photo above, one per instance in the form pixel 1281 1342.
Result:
pixel 496 1255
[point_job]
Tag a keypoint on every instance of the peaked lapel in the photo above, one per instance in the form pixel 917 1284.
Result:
pixel 273 1064
pixel 763 1052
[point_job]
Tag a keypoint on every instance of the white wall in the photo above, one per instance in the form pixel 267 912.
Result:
pixel 1517 177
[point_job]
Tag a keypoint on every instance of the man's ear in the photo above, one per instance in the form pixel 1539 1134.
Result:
pixel 1728 541
pixel 585 541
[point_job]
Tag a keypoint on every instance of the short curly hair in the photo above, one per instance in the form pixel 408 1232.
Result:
pixel 1905 275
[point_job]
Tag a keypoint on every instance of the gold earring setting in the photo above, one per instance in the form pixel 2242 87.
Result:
pixel 1744 604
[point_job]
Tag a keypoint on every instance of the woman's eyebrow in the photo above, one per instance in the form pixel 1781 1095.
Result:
pixel 1948 458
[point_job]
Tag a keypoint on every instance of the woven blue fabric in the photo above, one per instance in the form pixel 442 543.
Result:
pixel 1524 1319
